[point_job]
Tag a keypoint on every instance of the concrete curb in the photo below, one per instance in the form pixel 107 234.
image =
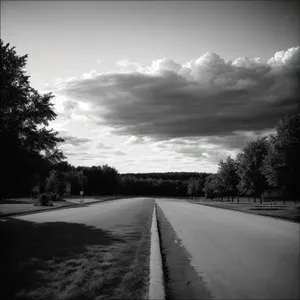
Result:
pixel 156 285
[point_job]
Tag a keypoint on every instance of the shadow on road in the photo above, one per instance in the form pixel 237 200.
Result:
pixel 30 250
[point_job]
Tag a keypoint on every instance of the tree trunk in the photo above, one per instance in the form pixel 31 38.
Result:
pixel 232 197
pixel 222 198
pixel 228 198
pixel 254 199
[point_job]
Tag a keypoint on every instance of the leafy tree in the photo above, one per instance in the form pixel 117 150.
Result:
pixel 214 186
pixel 282 163
pixel 218 186
pixel 229 176
pixel 82 179
pixel 193 187
pixel 56 183
pixel 28 146
pixel 250 167
pixel 51 182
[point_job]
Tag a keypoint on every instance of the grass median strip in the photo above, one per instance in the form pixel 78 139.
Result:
pixel 73 261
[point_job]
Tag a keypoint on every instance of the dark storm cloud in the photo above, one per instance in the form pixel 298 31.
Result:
pixel 203 98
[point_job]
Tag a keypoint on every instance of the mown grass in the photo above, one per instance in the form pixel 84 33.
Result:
pixel 289 211
pixel 73 261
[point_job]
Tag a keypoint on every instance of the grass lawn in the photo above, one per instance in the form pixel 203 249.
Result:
pixel 23 205
pixel 289 211
pixel 59 260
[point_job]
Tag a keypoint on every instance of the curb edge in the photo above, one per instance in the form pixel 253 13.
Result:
pixel 156 282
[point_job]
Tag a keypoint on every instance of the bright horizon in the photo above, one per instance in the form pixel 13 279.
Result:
pixel 159 86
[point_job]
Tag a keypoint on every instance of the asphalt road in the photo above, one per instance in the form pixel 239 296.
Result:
pixel 238 255
pixel 118 216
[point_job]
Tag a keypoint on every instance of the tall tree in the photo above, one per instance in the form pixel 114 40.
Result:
pixel 250 166
pixel 282 163
pixel 193 187
pixel 26 142
pixel 56 182
pixel 228 174
pixel 214 186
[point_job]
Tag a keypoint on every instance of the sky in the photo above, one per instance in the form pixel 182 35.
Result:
pixel 159 86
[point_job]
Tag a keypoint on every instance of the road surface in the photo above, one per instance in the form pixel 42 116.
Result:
pixel 117 216
pixel 238 255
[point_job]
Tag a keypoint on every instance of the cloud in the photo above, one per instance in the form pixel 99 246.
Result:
pixel 102 146
pixel 289 58
pixel 206 97
pixel 75 141
pixel 125 64
pixel 69 107
pixel 118 152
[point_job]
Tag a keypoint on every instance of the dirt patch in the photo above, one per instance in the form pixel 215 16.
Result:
pixel 181 279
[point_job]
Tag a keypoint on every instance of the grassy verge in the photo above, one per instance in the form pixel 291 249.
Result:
pixel 73 261
pixel 289 211
pixel 16 206
pixel 25 205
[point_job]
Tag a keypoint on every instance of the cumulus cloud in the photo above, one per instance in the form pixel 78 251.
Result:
pixel 289 58
pixel 125 64
pixel 206 97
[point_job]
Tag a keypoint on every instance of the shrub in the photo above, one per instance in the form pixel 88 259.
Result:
pixel 53 197
pixel 59 198
pixel 43 199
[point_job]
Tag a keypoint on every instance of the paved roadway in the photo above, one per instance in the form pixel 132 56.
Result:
pixel 118 216
pixel 239 256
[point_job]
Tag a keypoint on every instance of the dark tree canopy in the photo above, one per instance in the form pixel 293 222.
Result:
pixel 228 174
pixel 251 163
pixel 27 145
pixel 282 164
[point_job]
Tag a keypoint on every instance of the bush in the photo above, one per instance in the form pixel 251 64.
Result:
pixel 43 200
pixel 53 197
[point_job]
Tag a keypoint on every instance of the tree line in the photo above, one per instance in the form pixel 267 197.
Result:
pixel 263 163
